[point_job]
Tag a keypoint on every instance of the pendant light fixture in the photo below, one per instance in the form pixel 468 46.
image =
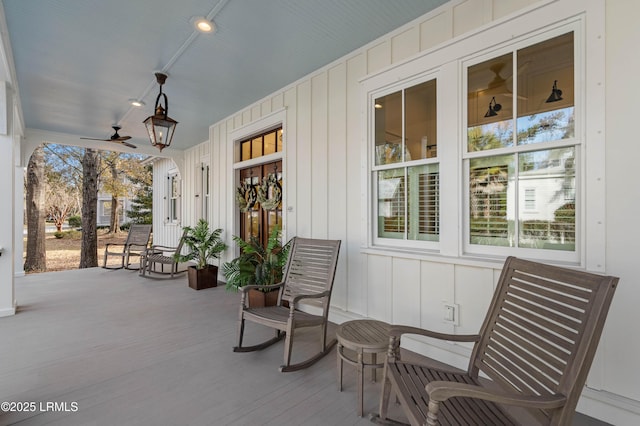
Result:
pixel 494 107
pixel 556 94
pixel 160 126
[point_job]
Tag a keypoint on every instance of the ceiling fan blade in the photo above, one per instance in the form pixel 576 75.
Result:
pixel 130 145
pixel 95 139
pixel 122 138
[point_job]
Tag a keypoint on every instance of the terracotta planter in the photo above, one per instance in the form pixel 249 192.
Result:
pixel 260 299
pixel 200 279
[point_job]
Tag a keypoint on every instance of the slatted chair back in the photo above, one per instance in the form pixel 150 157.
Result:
pixel 542 330
pixel 138 236
pixel 311 267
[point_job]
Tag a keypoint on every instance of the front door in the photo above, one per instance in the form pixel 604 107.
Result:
pixel 259 220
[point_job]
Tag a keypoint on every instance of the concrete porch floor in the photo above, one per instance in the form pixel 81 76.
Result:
pixel 119 349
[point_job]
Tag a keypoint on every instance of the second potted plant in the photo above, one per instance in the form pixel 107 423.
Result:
pixel 202 244
pixel 257 265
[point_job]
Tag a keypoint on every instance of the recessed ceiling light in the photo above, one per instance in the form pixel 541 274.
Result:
pixel 204 25
pixel 136 102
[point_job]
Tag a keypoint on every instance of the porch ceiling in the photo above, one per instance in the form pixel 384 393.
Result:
pixel 78 62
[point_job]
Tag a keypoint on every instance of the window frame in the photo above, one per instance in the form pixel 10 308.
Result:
pixel 528 28
pixel 576 141
pixel 373 169
pixel 173 216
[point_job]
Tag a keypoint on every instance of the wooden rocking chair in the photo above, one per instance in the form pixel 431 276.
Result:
pixel 161 255
pixel 135 245
pixel 536 346
pixel 308 276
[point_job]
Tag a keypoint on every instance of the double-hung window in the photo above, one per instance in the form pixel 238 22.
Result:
pixel 522 150
pixel 405 168
pixel 173 200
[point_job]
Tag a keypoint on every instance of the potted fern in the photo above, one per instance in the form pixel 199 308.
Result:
pixel 202 244
pixel 257 265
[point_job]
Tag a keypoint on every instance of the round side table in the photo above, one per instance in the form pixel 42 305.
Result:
pixel 361 337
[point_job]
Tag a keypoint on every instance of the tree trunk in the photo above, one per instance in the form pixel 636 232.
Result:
pixel 36 251
pixel 114 225
pixel 89 247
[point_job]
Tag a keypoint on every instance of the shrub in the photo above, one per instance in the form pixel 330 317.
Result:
pixel 75 221
pixel 58 234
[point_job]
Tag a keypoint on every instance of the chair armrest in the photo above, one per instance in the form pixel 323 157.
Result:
pixel 160 250
pixel 260 287
pixel 299 297
pixel 114 244
pixel 395 331
pixel 163 248
pixel 441 391
pixel 138 245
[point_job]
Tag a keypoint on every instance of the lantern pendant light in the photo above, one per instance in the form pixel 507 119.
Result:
pixel 160 126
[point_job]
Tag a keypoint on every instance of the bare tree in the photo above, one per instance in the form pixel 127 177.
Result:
pixel 36 252
pixel 119 177
pixel 61 199
pixel 89 247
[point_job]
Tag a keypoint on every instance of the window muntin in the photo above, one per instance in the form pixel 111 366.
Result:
pixel 405 136
pixel 523 196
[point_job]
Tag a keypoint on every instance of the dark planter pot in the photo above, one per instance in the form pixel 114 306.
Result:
pixel 260 299
pixel 200 279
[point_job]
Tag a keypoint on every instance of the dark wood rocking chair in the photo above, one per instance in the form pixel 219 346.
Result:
pixel 535 346
pixel 135 244
pixel 308 276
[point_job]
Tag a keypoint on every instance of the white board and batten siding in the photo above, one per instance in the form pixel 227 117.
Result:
pixel 325 194
pixel 164 233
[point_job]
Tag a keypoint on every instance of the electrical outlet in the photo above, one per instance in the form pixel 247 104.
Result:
pixel 450 313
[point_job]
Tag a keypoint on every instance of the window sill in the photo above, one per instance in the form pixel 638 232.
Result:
pixel 434 256
pixel 475 260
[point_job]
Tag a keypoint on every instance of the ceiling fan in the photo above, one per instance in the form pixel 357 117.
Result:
pixel 499 85
pixel 115 138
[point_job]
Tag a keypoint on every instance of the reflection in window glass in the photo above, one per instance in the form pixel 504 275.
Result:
pixel 490 104
pixel 491 212
pixel 256 147
pixel 279 141
pixel 423 202
pixel 546 91
pixel 546 126
pixel 552 224
pixel 391 203
pixel 420 120
pixel 409 206
pixel 388 129
pixel 246 150
pixel 269 143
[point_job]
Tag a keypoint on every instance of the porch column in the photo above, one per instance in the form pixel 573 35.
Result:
pixel 7 202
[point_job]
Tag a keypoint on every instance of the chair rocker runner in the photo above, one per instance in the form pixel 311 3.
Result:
pixel 135 244
pixel 536 346
pixel 309 275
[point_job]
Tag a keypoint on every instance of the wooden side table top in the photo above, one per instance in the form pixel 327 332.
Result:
pixel 364 335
